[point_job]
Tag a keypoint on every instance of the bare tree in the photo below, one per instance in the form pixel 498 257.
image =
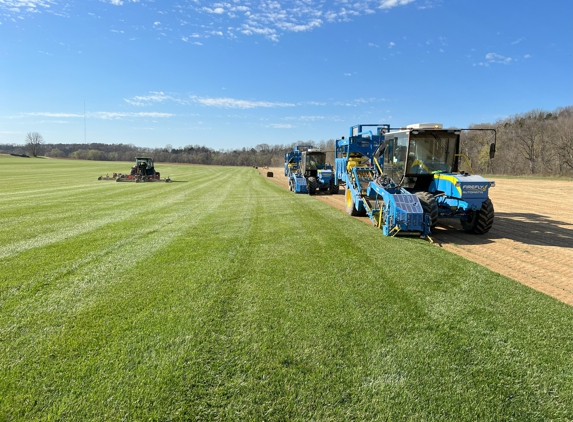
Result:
pixel 34 143
pixel 563 142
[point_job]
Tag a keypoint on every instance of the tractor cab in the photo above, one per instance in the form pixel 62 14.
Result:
pixel 415 154
pixel 312 161
pixel 143 167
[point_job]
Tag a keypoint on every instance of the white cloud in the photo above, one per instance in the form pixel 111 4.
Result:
pixel 49 114
pixel 216 11
pixel 311 118
pixel 280 126
pixel 234 103
pixel 389 4
pixel 330 16
pixel 271 18
pixel 497 58
pixel 118 2
pixel 186 39
pixel 315 103
pixel 527 56
pixel 363 100
pixel 371 44
pixel 153 97
pixel 287 26
pixel 250 30
pixel 391 44
pixel 358 102
pixel 106 115
pixel 268 18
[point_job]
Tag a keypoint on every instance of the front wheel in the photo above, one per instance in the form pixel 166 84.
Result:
pixel 480 221
pixel 350 207
pixel 333 187
pixel 430 206
pixel 311 185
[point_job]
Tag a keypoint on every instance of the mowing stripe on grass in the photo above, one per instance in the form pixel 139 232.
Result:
pixel 224 297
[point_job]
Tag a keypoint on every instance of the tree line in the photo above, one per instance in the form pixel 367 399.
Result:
pixel 538 142
pixel 260 155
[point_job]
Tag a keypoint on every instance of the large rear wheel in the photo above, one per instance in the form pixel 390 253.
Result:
pixel 430 206
pixel 480 221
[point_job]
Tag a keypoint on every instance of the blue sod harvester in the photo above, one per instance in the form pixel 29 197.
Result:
pixel 308 172
pixel 406 179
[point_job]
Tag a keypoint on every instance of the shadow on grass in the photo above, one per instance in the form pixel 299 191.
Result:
pixel 525 228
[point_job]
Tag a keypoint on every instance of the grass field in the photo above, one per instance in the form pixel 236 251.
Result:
pixel 222 296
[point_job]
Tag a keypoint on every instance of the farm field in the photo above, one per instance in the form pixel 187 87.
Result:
pixel 222 296
pixel 531 240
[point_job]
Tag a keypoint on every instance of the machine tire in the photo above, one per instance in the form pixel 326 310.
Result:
pixel 350 207
pixel 430 206
pixel 311 185
pixel 333 188
pixel 481 220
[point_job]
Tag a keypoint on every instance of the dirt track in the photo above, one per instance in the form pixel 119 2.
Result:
pixel 531 240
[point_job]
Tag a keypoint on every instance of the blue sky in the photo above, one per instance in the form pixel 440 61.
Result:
pixel 239 73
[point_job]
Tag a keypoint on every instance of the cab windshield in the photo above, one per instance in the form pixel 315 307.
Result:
pixel 431 152
pixel 315 161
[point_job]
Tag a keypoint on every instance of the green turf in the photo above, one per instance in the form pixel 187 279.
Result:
pixel 221 296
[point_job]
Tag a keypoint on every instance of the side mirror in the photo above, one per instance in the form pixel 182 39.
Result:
pixel 492 151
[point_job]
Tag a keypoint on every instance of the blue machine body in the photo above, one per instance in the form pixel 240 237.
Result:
pixel 425 159
pixel 369 192
pixel 307 171
pixel 406 179
pixel 459 194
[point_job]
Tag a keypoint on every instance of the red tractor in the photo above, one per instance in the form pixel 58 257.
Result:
pixel 142 171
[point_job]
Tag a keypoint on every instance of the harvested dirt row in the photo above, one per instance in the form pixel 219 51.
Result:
pixel 531 240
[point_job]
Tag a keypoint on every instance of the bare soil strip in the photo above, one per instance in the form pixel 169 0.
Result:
pixel 531 240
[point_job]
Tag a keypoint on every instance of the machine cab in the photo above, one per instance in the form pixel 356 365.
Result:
pixel 143 166
pixel 415 154
pixel 312 161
